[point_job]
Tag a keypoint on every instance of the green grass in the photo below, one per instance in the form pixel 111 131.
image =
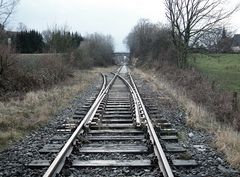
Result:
pixel 222 68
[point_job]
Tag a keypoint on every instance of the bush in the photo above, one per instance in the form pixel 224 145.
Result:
pixel 31 74
pixel 79 59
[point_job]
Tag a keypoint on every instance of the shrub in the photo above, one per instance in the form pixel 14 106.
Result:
pixel 31 74
pixel 79 59
pixel 198 88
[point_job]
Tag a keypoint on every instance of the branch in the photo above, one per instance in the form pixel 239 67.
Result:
pixel 6 10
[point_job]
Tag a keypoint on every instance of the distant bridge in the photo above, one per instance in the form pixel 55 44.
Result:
pixel 122 53
pixel 120 57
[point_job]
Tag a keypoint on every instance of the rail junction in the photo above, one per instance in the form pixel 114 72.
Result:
pixel 112 130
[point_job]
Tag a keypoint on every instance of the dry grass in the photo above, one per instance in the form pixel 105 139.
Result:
pixel 25 74
pixel 17 117
pixel 226 139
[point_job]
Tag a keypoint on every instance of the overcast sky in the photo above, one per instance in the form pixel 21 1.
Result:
pixel 115 17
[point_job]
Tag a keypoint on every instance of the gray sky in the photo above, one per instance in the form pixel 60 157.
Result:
pixel 115 17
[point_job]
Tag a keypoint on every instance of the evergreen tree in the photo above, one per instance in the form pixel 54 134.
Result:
pixel 62 41
pixel 29 42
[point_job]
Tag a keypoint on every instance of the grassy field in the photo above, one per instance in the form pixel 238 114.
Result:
pixel 222 68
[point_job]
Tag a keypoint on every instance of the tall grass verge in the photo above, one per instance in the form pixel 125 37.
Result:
pixel 198 116
pixel 38 72
pixel 19 116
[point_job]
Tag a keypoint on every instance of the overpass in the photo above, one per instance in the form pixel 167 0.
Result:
pixel 120 57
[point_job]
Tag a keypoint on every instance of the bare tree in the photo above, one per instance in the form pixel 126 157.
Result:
pixel 211 39
pixel 6 59
pixel 190 19
pixel 216 40
pixel 100 48
pixel 6 10
pixel 149 42
pixel 140 40
pixel 96 50
pixel 21 27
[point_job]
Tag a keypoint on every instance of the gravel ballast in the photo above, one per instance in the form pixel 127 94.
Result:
pixel 197 142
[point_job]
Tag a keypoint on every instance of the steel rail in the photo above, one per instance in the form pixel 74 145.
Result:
pixel 103 94
pixel 135 99
pixel 103 84
pixel 162 160
pixel 58 162
pixel 119 69
pixel 100 98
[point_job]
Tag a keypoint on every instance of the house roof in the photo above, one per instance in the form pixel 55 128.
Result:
pixel 236 40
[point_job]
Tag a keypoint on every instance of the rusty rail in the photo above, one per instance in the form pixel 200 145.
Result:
pixel 158 150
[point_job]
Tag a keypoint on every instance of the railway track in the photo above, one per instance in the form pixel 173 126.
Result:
pixel 105 131
pixel 112 131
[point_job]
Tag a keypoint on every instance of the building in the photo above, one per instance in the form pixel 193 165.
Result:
pixel 236 43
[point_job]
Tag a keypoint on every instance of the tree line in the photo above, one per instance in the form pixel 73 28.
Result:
pixel 193 24
pixel 92 50
pixel 32 41
pixel 153 42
